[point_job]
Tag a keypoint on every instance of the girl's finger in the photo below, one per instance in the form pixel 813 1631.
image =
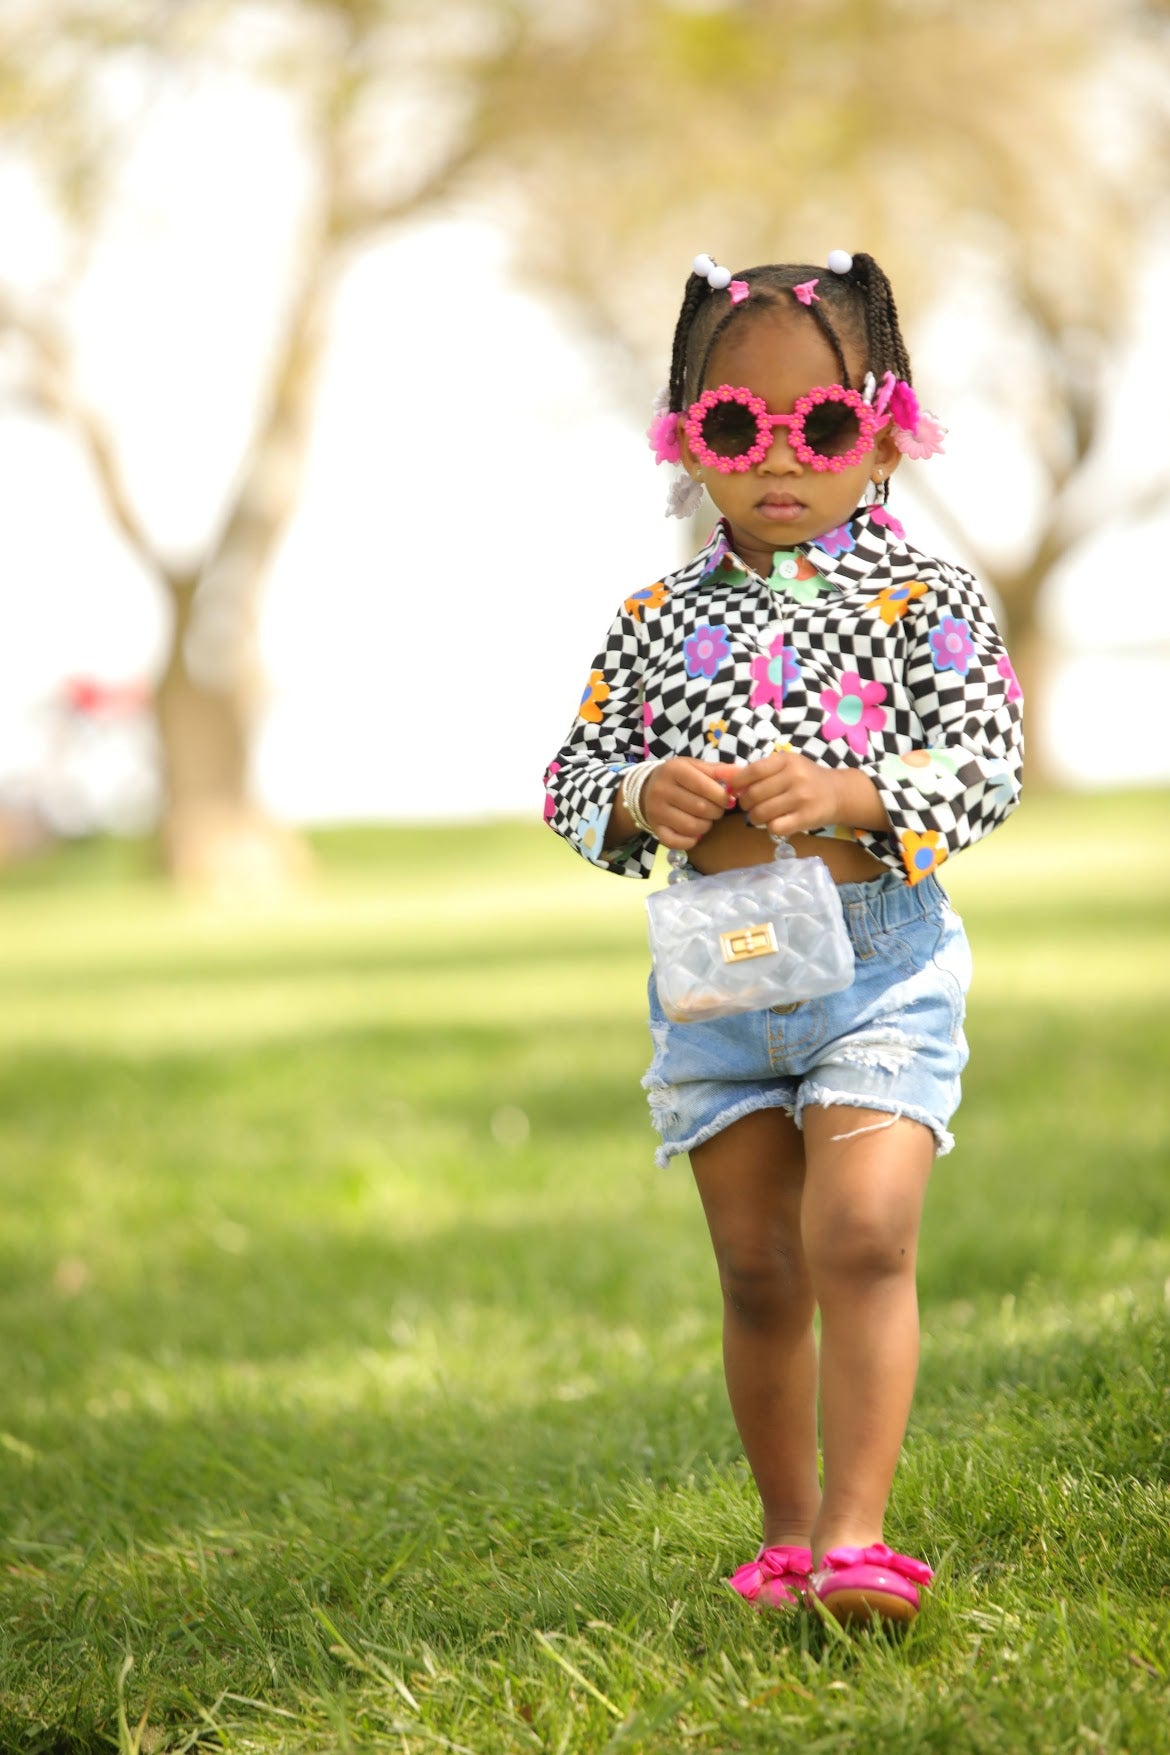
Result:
pixel 681 822
pixel 697 784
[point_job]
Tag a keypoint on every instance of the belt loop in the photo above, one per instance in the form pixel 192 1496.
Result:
pixel 858 923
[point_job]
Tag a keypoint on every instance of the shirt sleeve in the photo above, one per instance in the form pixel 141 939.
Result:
pixel 605 739
pixel 963 779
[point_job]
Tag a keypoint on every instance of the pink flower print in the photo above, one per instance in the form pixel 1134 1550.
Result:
pixel 772 674
pixel 1006 670
pixel 550 803
pixel 895 526
pixel 853 711
pixel 951 645
pixel 706 649
pixel 647 722
pixel 838 541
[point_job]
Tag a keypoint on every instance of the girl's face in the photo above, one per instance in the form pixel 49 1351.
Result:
pixel 780 501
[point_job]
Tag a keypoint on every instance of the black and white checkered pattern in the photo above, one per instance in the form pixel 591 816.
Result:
pixel 967 720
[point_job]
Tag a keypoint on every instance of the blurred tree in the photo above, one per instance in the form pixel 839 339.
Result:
pixel 1009 158
pixel 1025 142
pixel 388 95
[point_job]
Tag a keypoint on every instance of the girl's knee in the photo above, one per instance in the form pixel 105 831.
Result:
pixel 765 1284
pixel 860 1245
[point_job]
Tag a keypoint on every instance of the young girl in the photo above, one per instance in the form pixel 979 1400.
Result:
pixel 811 674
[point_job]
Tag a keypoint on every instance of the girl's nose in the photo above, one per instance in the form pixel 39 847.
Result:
pixel 780 458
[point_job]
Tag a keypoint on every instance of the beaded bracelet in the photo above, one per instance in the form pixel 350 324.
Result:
pixel 631 792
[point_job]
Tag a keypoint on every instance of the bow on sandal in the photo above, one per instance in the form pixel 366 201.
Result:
pixel 775 1578
pixel 869 1584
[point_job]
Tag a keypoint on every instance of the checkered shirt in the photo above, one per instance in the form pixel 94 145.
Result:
pixel 874 656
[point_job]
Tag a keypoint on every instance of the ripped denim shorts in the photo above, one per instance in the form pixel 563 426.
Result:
pixel 892 1041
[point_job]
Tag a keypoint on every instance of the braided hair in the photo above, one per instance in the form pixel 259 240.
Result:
pixel 860 303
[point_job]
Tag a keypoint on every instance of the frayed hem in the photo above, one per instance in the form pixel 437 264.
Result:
pixel 673 1148
pixel 823 1098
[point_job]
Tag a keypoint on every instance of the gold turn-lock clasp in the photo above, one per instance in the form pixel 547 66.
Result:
pixel 748 941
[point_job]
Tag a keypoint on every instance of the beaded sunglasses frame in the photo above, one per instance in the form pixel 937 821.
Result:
pixel 869 424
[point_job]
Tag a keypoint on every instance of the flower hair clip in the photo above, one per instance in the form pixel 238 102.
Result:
pixel 719 279
pixel 916 432
pixel 684 494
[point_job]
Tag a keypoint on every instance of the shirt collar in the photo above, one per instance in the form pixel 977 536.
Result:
pixel 845 557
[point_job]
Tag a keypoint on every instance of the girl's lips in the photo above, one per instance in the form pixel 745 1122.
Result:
pixel 783 509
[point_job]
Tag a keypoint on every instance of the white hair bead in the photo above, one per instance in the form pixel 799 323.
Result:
pixel 703 265
pixel 719 278
pixel 839 262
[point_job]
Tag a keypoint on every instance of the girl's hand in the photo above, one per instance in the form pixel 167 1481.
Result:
pixel 787 793
pixel 682 798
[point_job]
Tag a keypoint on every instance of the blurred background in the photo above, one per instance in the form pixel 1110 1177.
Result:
pixel 329 331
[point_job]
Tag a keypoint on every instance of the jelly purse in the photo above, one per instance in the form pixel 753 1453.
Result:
pixel 737 941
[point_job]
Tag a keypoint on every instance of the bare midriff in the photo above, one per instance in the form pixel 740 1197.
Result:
pixel 733 842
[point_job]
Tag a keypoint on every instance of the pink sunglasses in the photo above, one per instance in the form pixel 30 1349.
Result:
pixel 830 428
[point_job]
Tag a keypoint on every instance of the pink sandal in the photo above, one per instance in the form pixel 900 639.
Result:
pixel 777 1578
pixel 869 1584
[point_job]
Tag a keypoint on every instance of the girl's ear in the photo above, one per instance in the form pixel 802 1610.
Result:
pixel 886 455
pixel 686 456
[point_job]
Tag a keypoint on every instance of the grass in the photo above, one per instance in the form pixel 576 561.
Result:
pixel 361 1381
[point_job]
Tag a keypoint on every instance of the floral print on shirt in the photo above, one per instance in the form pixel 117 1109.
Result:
pixel 706 650
pixel 773 673
pixel 894 666
pixel 595 696
pixel 853 710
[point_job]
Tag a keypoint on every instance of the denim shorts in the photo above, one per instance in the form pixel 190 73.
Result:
pixel 892 1041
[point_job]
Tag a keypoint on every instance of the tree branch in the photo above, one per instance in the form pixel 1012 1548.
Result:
pixel 51 390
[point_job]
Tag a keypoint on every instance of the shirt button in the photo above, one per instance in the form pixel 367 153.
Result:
pixel 786 569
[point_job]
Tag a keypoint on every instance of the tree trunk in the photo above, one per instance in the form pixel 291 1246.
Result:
pixel 213 836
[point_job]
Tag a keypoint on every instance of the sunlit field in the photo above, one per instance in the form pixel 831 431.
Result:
pixel 361 1373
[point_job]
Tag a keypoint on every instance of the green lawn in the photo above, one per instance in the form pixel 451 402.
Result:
pixel 361 1381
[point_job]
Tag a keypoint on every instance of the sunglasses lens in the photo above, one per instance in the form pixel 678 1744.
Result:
pixel 831 428
pixel 729 429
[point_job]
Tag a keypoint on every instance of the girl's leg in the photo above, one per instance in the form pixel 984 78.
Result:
pixel 860 1217
pixel 750 1178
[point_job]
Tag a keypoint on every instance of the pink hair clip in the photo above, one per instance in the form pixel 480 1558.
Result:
pixel 926 440
pixel 663 436
pixel 719 279
pixel 806 292
pixel 917 433
pixel 683 495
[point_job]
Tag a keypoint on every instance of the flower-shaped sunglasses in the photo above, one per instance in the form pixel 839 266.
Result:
pixel 830 428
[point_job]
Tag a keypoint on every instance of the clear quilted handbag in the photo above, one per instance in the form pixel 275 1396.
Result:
pixel 737 941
